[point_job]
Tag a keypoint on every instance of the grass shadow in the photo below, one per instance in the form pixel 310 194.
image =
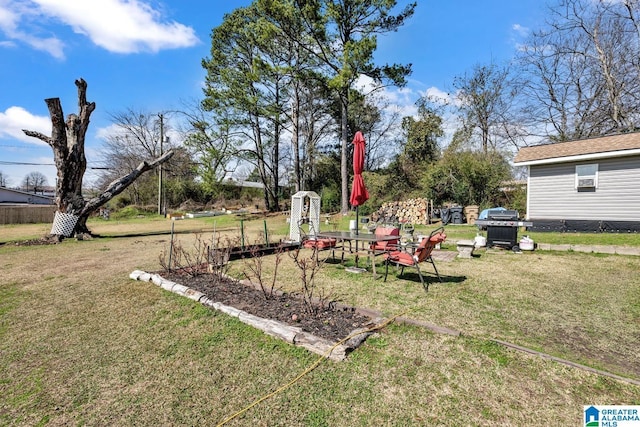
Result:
pixel 429 277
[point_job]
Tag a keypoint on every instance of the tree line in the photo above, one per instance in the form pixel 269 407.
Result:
pixel 33 182
pixel 280 105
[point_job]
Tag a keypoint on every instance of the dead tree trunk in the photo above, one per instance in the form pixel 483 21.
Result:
pixel 67 142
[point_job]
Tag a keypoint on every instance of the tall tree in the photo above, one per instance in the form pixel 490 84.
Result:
pixel 423 133
pixel 4 181
pixel 310 97
pixel 344 34
pixel 485 100
pixel 246 84
pixel 421 136
pixel 67 142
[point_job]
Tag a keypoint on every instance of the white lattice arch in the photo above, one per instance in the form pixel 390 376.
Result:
pixel 304 205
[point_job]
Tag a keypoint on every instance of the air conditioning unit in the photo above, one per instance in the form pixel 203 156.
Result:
pixel 586 182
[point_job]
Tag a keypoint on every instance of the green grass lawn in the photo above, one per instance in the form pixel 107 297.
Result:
pixel 82 344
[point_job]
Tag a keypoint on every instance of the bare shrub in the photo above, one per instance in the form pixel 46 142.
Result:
pixel 309 267
pixel 192 261
pixel 218 255
pixel 254 266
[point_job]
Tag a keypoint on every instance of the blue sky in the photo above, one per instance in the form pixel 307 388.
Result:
pixel 146 55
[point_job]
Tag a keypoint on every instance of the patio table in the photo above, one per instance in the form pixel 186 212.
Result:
pixel 346 236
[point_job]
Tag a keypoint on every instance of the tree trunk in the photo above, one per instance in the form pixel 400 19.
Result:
pixel 67 142
pixel 295 138
pixel 344 164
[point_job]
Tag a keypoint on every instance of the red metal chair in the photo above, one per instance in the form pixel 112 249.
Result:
pixel 311 241
pixel 422 253
pixel 379 248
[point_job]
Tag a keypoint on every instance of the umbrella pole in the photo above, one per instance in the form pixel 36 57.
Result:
pixel 357 220
pixel 357 227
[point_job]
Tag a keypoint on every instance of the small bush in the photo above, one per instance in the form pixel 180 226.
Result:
pixel 131 212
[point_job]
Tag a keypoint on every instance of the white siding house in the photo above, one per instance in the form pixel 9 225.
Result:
pixel 10 195
pixel 585 185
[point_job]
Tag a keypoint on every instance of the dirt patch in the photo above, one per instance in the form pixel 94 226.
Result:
pixel 48 240
pixel 575 340
pixel 330 320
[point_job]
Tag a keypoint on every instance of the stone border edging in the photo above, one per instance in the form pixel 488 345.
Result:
pixel 291 334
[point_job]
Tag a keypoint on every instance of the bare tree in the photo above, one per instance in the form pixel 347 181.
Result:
pixel 315 123
pixel 34 181
pixel 580 74
pixel 67 142
pixel 213 144
pixel 3 180
pixel 136 137
pixel 380 122
pixel 486 98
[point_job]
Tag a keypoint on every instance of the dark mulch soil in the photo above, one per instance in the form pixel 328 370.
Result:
pixel 329 321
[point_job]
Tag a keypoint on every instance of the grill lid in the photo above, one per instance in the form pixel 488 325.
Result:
pixel 502 215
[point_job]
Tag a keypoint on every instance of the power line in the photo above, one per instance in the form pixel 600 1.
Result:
pixel 26 164
pixel 25 146
pixel 2 162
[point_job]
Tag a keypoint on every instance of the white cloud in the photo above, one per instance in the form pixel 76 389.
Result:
pixel 520 33
pixel 104 132
pixel 438 95
pixel 365 84
pixel 121 26
pixel 52 45
pixel 10 16
pixel 14 119
pixel 520 30
pixel 396 100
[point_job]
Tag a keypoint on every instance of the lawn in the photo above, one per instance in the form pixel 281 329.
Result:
pixel 82 344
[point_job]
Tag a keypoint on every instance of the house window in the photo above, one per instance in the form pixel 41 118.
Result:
pixel 587 177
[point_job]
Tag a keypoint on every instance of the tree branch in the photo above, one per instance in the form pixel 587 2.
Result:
pixel 119 185
pixel 38 135
pixel 58 125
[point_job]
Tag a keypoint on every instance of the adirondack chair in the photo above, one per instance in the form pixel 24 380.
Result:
pixel 403 258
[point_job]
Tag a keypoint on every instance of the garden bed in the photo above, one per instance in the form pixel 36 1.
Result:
pixel 283 315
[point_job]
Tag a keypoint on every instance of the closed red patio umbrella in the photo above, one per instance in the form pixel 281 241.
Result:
pixel 359 193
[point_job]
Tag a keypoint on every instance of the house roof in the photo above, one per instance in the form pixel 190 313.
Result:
pixel 625 144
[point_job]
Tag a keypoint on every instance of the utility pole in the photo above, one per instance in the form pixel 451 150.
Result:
pixel 160 166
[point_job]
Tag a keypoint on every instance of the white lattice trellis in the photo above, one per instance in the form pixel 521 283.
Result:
pixel 304 205
pixel 63 224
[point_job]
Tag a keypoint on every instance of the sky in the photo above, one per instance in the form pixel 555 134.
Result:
pixel 146 55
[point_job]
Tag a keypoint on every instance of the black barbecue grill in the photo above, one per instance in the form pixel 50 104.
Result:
pixel 502 228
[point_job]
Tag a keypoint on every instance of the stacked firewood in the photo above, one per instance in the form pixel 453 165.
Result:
pixel 413 211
